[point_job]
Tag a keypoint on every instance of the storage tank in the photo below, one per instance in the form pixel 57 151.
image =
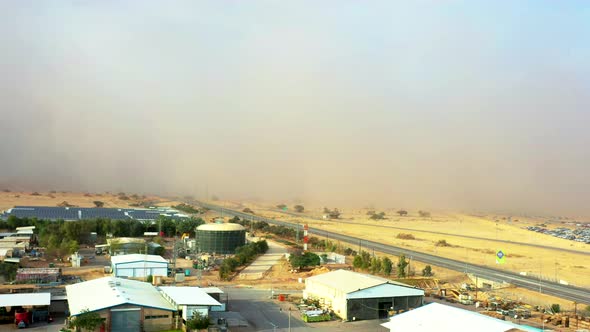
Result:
pixel 220 238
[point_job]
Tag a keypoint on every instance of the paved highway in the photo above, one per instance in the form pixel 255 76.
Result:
pixel 348 221
pixel 577 294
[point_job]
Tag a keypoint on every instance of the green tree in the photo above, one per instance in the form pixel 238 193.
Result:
pixel 427 271
pixel 281 206
pixel 98 204
pixel 304 260
pixel 366 260
pixel 386 266
pixel 8 271
pixel 87 320
pixel 357 262
pixel 375 264
pixel 402 213
pixel 198 321
pixel 299 208
pixel 401 266
pixel 555 308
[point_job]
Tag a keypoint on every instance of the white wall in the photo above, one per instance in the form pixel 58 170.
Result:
pixel 331 297
pixel 139 270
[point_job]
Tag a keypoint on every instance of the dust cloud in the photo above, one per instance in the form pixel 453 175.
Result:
pixel 435 105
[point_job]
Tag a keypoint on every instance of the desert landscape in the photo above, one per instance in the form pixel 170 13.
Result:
pixel 552 262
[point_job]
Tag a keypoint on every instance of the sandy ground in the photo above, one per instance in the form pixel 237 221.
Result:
pixel 551 263
pixel 12 199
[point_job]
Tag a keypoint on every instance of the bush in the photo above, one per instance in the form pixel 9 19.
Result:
pixel 378 216
pixel 197 322
pixel 555 308
pixel 405 236
pixel 8 271
pixel 424 214
pixel 149 278
pixel 442 243
pixel 427 271
pixel 300 261
pixel 244 255
pixel 319 318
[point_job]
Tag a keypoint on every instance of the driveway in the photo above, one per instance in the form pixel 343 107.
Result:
pixel 263 263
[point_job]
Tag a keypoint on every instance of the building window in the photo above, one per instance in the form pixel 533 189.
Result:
pixel 156 316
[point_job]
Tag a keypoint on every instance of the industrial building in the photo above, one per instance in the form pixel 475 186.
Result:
pixel 37 275
pixel 220 238
pixel 357 296
pixel 138 266
pixel 189 300
pixel 440 317
pixel 27 308
pixel 125 246
pixel 125 305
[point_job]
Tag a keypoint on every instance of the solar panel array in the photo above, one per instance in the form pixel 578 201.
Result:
pixel 76 213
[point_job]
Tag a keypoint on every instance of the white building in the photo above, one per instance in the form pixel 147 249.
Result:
pixel 189 300
pixel 125 305
pixel 440 317
pixel 357 296
pixel 138 265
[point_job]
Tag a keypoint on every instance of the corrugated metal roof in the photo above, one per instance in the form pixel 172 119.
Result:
pixel 221 227
pixel 440 317
pixel 385 290
pixel 188 295
pixel 348 281
pixel 25 299
pixel 137 258
pixel 212 290
pixel 109 292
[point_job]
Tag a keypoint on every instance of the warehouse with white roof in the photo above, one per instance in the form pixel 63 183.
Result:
pixel 189 300
pixel 358 296
pixel 440 317
pixel 139 266
pixel 125 305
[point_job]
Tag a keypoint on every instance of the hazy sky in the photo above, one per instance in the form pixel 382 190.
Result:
pixel 417 104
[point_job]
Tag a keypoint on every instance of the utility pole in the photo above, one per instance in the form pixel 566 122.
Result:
pixel 576 313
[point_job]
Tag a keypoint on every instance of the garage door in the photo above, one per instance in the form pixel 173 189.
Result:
pixel 123 320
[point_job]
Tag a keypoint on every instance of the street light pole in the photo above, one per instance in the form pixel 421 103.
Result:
pixel 289 319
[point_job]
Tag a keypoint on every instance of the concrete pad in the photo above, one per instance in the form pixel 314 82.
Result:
pixel 262 264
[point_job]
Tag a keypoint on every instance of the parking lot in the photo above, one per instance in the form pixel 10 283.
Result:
pixel 579 234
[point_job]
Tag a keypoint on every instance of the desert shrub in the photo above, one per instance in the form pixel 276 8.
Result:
pixel 424 214
pixel 442 243
pixel 405 236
